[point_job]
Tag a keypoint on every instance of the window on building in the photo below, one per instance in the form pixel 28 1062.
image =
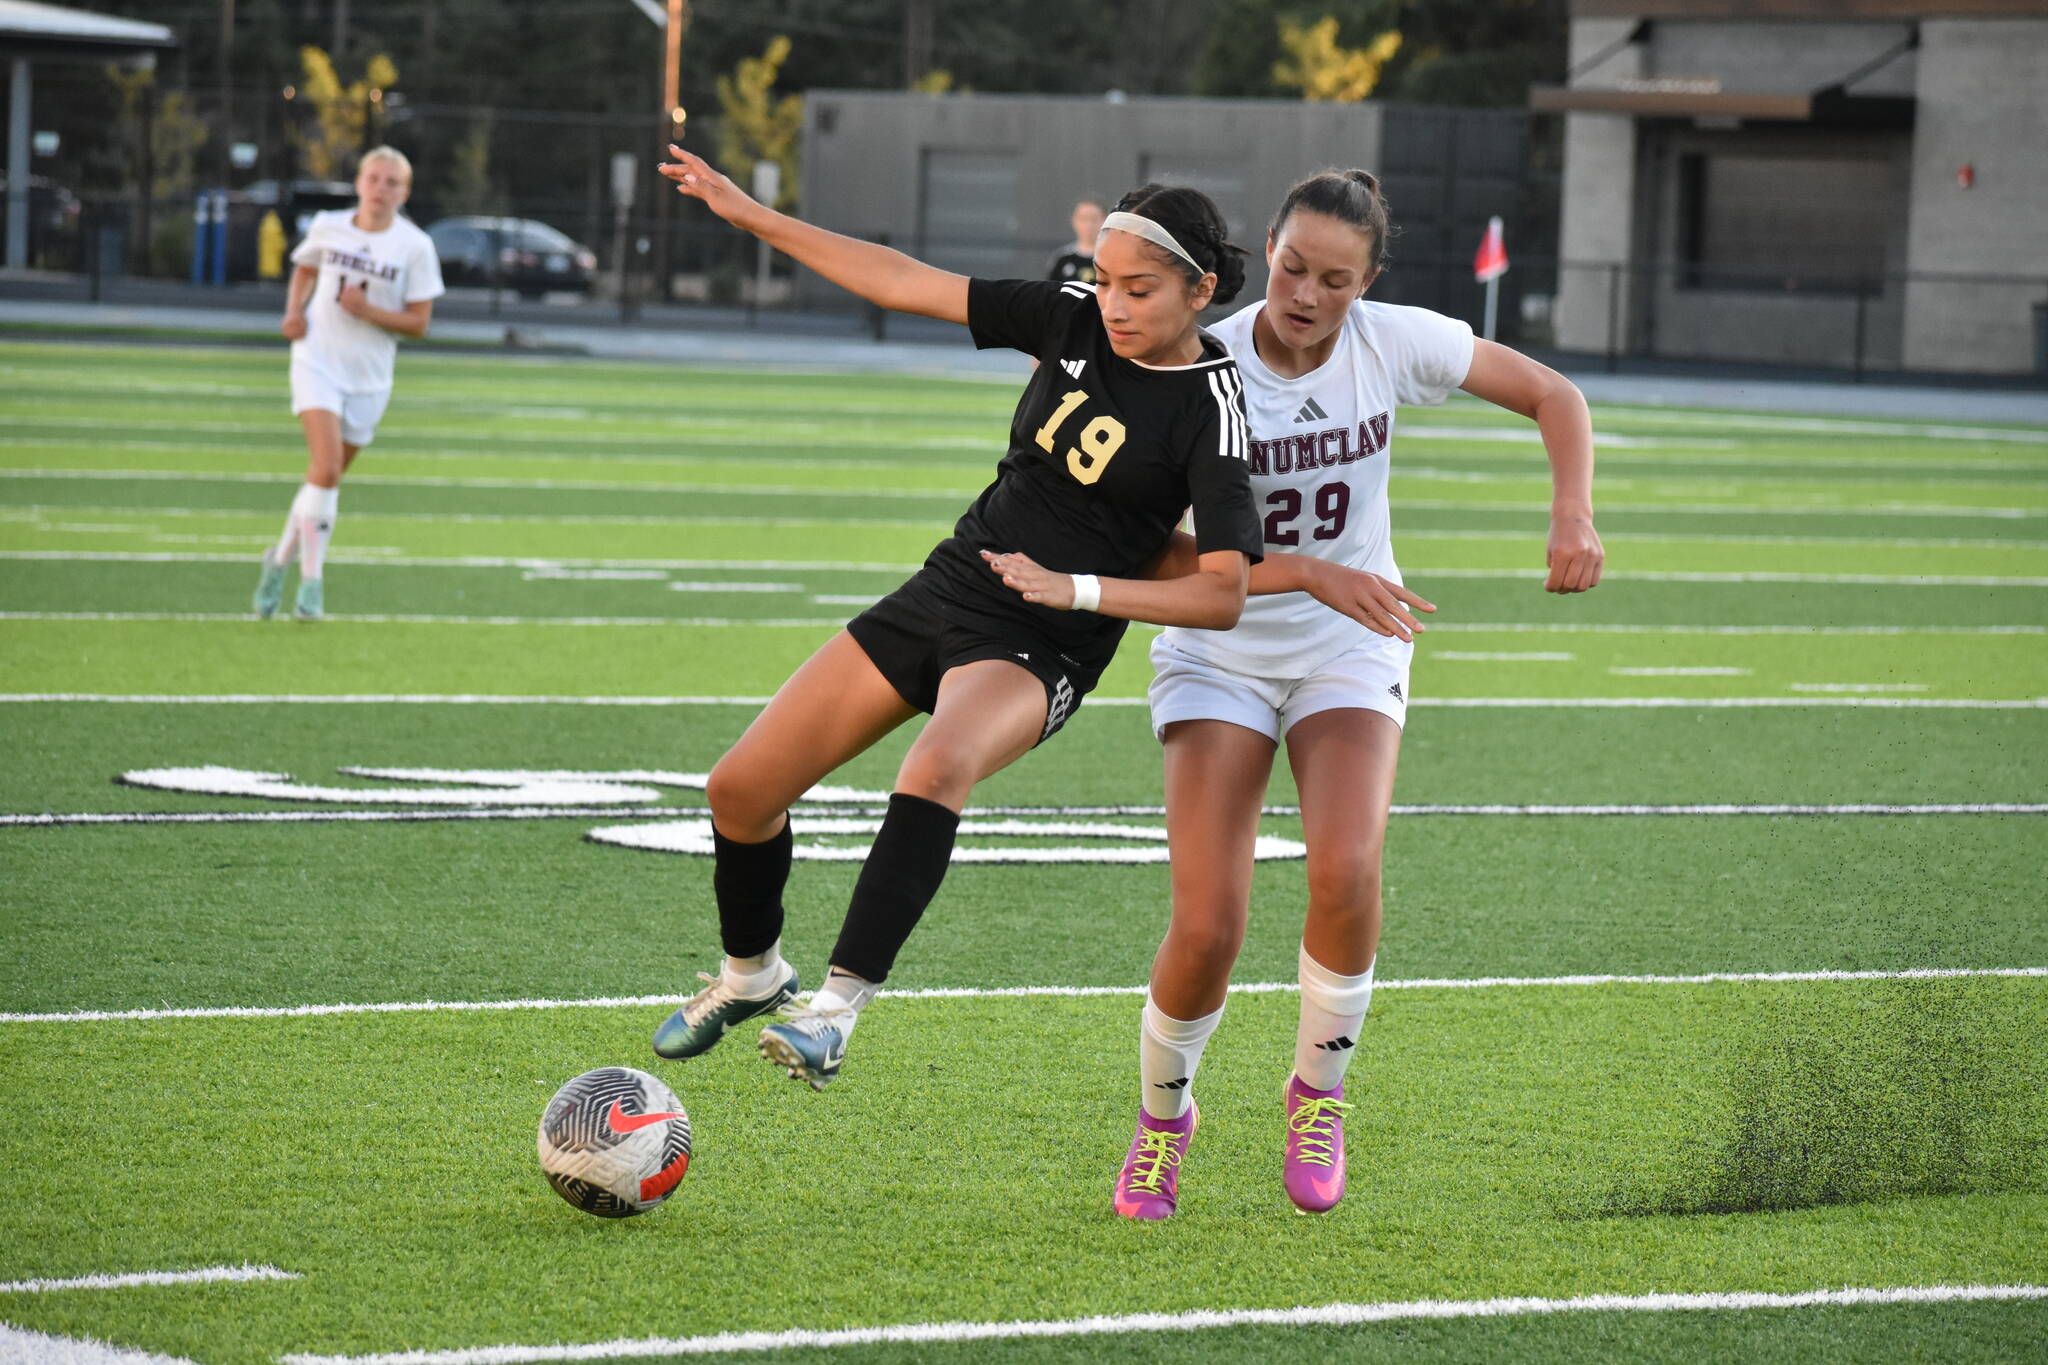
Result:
pixel 1803 223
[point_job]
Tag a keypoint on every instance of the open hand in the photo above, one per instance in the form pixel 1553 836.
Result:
pixel 699 179
pixel 1379 604
pixel 1022 574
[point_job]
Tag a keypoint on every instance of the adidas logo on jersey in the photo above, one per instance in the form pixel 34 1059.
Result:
pixel 1073 367
pixel 1311 411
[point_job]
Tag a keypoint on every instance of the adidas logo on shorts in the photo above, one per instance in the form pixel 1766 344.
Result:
pixel 1056 714
pixel 1394 691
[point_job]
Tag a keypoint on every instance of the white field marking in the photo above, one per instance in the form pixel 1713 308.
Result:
pixel 693 836
pixel 477 561
pixel 212 1274
pixel 1482 703
pixel 1711 538
pixel 489 790
pixel 1858 687
pixel 379 619
pixel 31 512
pixel 1494 656
pixel 21 1346
pixel 600 575
pixel 294 817
pixel 1907 580
pixel 1014 992
pixel 735 587
pixel 1196 1320
pixel 737 434
pixel 951 496
pixel 1701 672
pixel 843 599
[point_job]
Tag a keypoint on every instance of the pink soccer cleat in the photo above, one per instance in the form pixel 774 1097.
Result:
pixel 1149 1185
pixel 1314 1171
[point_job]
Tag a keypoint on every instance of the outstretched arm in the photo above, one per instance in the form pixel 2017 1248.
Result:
pixel 878 274
pixel 1209 596
pixel 1379 604
pixel 1511 380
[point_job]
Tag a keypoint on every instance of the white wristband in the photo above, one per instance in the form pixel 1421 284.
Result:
pixel 1087 592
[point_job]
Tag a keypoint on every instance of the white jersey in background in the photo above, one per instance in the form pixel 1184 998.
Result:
pixel 398 266
pixel 1319 472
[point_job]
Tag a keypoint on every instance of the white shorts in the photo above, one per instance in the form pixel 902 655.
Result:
pixel 359 412
pixel 1372 676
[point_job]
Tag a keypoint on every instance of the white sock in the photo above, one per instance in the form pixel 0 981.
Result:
pixel 315 509
pixel 1169 1050
pixel 844 991
pixel 1332 1012
pixel 755 977
pixel 280 554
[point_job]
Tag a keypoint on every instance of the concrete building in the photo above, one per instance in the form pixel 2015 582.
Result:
pixel 1858 183
pixel 983 183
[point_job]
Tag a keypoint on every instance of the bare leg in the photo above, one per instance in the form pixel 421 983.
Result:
pixel 1343 764
pixel 1216 777
pixel 833 708
pixel 327 455
pixel 990 713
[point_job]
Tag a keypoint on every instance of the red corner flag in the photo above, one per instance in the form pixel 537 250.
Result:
pixel 1490 262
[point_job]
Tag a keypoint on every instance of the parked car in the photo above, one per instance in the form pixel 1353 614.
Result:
pixel 513 253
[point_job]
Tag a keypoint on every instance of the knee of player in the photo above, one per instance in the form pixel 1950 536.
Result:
pixel 1346 885
pixel 1207 929
pixel 732 796
pixel 938 773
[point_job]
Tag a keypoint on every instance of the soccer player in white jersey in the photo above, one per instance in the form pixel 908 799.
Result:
pixel 1325 371
pixel 364 277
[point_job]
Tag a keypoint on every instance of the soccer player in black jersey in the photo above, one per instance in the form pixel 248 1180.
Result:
pixel 1133 416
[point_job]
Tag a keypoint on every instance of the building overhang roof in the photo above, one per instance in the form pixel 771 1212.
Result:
pixel 1832 106
pixel 43 32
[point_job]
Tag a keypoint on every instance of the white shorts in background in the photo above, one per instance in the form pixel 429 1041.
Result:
pixel 359 412
pixel 1372 677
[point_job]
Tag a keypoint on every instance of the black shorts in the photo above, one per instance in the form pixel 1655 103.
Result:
pixel 913 646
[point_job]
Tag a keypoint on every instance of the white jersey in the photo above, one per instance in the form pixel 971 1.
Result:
pixel 398 266
pixel 1320 447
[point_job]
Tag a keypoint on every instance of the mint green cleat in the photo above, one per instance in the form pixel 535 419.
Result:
pixel 308 607
pixel 269 590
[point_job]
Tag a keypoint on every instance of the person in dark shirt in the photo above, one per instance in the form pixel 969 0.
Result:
pixel 1133 416
pixel 1076 260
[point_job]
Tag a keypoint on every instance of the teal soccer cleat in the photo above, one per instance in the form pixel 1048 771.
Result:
pixel 703 1020
pixel 269 590
pixel 810 1045
pixel 308 605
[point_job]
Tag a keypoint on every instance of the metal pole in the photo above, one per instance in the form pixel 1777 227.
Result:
pixel 17 168
pixel 226 127
pixel 1613 314
pixel 1862 298
pixel 1492 304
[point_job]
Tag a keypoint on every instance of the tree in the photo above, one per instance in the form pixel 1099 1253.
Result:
pixel 1321 70
pixel 342 116
pixel 757 126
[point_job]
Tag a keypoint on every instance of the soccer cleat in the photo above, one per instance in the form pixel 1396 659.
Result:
pixel 810 1044
pixel 307 606
pixel 705 1017
pixel 1314 1169
pixel 1149 1185
pixel 269 589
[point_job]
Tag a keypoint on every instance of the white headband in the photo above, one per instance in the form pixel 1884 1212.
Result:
pixel 1144 227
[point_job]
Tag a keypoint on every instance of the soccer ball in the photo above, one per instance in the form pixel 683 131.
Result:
pixel 614 1142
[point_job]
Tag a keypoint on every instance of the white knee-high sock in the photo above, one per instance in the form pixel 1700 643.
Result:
pixel 288 539
pixel 1169 1050
pixel 1333 1010
pixel 315 509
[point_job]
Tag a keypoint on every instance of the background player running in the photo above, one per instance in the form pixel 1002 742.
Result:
pixel 364 277
pixel 1133 416
pixel 1324 372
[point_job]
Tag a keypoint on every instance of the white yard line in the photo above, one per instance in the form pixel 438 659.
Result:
pixel 1131 1324
pixel 212 1274
pixel 1456 703
pixel 20 1346
pixel 1008 992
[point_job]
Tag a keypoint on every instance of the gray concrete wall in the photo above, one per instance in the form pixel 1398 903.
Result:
pixel 866 153
pixel 1983 102
pixel 1598 213
pixel 1778 57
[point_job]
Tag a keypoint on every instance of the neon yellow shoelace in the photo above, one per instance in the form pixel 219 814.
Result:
pixel 1316 1125
pixel 1157 1148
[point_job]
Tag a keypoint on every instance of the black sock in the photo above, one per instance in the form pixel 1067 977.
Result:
pixel 899 879
pixel 747 882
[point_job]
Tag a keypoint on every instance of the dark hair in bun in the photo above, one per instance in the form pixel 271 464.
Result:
pixel 1195 223
pixel 1348 196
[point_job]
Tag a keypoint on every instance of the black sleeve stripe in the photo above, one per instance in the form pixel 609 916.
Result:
pixel 1233 439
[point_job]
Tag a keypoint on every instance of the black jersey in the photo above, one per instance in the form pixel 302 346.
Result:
pixel 1071 263
pixel 1105 456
